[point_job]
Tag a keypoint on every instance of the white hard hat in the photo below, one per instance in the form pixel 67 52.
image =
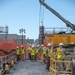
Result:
pixel 61 44
pixel 72 42
pixel 49 44
pixel 21 45
pixel 42 45
pixel 44 48
pixel 33 46
pixel 38 45
pixel 17 47
pixel 30 45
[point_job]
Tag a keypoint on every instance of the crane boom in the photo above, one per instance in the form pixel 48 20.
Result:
pixel 68 24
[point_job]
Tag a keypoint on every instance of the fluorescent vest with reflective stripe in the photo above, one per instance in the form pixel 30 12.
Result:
pixel 44 50
pixel 36 52
pixel 60 53
pixel 33 52
pixel 29 49
pixel 50 53
pixel 23 51
pixel 17 51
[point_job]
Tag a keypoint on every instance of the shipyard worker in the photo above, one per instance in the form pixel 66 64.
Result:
pixel 33 53
pixel 17 53
pixel 60 55
pixel 36 52
pixel 41 48
pixel 48 56
pixel 60 51
pixel 43 54
pixel 29 51
pixel 23 52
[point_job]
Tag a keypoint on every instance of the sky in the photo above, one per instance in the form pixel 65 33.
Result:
pixel 17 14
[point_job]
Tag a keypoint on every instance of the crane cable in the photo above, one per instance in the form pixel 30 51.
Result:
pixel 41 15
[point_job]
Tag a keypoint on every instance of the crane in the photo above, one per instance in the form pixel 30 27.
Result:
pixel 68 24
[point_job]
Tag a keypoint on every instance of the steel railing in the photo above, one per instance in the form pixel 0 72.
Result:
pixel 6 59
pixel 56 64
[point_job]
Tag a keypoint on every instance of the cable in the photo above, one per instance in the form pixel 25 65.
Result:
pixel 39 15
pixel 43 16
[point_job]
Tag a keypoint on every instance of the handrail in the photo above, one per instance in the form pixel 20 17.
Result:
pixel 53 67
pixel 6 59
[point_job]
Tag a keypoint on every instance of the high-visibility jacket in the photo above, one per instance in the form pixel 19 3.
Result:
pixel 50 52
pixel 23 51
pixel 44 50
pixel 17 51
pixel 60 53
pixel 6 67
pixel 29 49
pixel 33 52
pixel 36 51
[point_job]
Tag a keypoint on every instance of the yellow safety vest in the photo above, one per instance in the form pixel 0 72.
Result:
pixel 44 50
pixel 17 51
pixel 6 67
pixel 60 53
pixel 50 53
pixel 29 49
pixel 23 51
pixel 33 52
pixel 36 52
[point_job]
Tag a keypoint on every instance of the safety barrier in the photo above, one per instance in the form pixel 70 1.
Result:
pixel 5 62
pixel 60 67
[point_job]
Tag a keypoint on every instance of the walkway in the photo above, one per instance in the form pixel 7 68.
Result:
pixel 28 67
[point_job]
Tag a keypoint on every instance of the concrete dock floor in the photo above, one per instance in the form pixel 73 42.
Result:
pixel 28 67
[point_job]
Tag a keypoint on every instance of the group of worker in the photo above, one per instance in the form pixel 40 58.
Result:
pixel 20 52
pixel 33 52
pixel 49 52
pixel 46 53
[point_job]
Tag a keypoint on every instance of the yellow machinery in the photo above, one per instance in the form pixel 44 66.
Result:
pixel 64 37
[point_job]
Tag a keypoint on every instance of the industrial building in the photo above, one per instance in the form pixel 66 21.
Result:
pixel 16 37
